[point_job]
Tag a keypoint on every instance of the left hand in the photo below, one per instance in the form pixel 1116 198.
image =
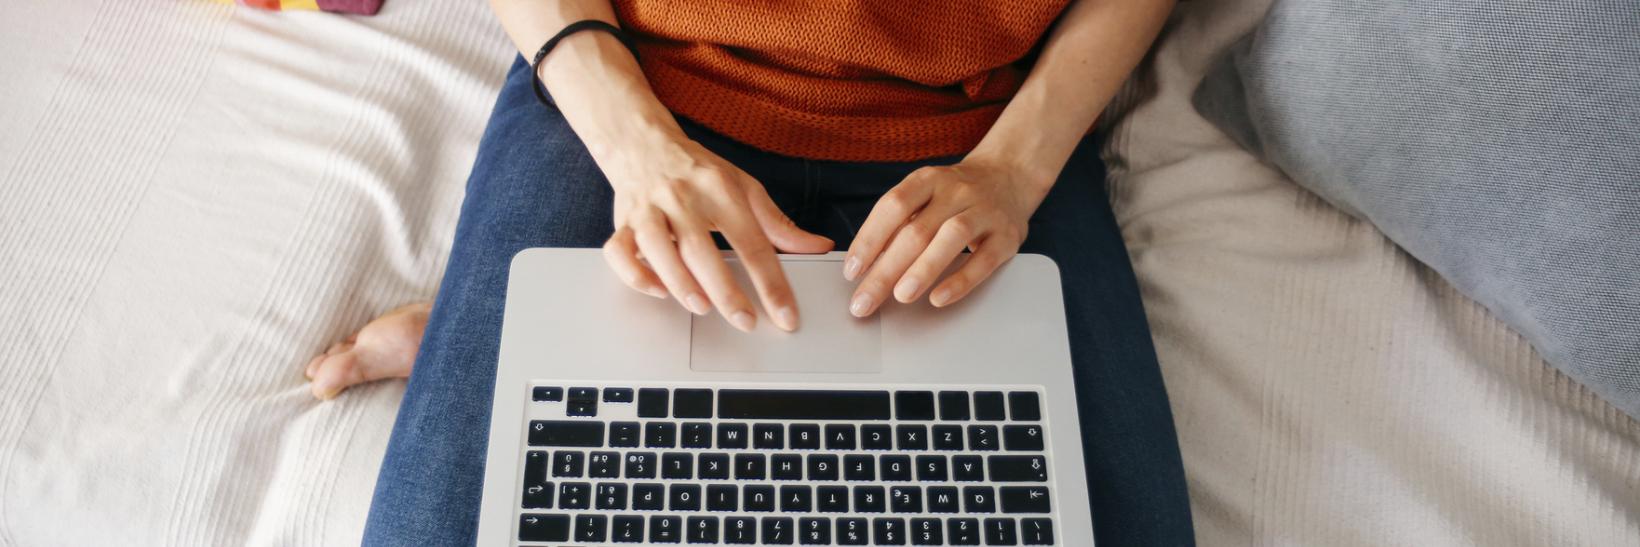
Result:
pixel 920 226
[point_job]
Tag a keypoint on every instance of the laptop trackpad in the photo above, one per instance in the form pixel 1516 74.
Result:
pixel 829 339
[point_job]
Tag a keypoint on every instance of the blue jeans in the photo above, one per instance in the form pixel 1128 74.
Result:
pixel 533 185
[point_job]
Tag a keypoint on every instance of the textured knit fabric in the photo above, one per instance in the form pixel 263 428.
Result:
pixel 850 81
pixel 1498 142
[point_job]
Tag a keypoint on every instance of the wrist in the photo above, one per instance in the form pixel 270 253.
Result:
pixel 1032 172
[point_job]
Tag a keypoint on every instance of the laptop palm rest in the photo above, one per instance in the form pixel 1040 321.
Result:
pixel 829 339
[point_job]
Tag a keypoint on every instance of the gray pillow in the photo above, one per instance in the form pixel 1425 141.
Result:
pixel 1497 141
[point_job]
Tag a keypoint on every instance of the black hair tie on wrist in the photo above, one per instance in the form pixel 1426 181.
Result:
pixel 578 26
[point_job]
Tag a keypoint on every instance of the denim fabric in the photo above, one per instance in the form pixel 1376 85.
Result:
pixel 534 185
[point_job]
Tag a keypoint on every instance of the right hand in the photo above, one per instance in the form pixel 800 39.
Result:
pixel 670 194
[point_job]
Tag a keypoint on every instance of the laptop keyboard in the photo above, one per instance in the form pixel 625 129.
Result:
pixel 631 464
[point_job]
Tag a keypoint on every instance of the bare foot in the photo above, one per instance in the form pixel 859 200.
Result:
pixel 384 348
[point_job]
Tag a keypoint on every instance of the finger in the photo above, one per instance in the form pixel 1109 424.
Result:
pixel 890 212
pixel 779 228
pixel 988 255
pixel 953 236
pixel 654 237
pixel 908 243
pixel 704 259
pixel 762 264
pixel 621 252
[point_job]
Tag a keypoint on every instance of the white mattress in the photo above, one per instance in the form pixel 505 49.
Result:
pixel 196 197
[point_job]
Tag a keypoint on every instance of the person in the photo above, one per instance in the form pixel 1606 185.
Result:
pixel 904 132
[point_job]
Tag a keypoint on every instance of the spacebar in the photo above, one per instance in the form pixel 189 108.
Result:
pixel 797 404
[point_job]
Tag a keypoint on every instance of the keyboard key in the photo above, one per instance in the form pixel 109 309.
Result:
pixel 988 406
pixel 1036 531
pixel 768 436
pixel 967 469
pixel 1018 468
pixel 692 403
pixel 786 467
pixel 822 467
pixel 853 531
pixel 581 408
pixel 978 499
pixel 783 404
pixel 538 495
pixel 962 531
pixel 777 531
pixel 1024 406
pixel 683 497
pixel 749 467
pixel 604 465
pixel 888 531
pixel 757 498
pixel 905 499
pixel 617 395
pixel 702 530
pixel 805 436
pixel 574 495
pixel 714 466
pixel 943 499
pixel 740 530
pixel 624 434
pixel 831 499
pixel 1022 437
pixel 677 465
pixel 660 435
pixel 931 468
pixel 652 402
pixel 611 496
pixel 566 433
pixel 947 437
pixel 731 436
pixel 537 527
pixel 546 393
pixel 868 499
pixel 982 437
pixel 1001 532
pixel 537 491
pixel 583 394
pixel 665 529
pixel 895 467
pixel 795 499
pixel 914 405
pixel 697 435
pixel 839 437
pixel 814 531
pixel 953 405
pixel 912 437
pixel 626 529
pixel 876 437
pixel 1024 499
pixel 591 528
pixel 926 532
pixel 648 496
pixel 568 463
pixel 640 465
pixel 859 467
pixel 722 498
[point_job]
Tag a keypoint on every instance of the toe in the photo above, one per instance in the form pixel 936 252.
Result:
pixel 334 374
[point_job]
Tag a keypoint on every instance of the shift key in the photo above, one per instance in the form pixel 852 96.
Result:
pixel 566 433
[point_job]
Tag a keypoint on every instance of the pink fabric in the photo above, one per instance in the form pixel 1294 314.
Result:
pixel 362 7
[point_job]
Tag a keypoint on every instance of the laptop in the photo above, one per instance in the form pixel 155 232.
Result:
pixel 624 419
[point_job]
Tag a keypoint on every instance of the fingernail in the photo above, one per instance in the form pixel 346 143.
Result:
pixel 786 318
pixel 851 268
pixel 743 320
pixel 697 304
pixel 906 290
pixel 656 292
pixel 860 306
pixel 941 297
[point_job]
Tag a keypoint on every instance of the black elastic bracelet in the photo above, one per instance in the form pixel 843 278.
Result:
pixel 578 26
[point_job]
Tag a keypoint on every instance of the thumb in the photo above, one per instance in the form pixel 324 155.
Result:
pixel 782 232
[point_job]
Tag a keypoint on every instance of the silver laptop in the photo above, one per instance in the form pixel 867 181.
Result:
pixel 624 419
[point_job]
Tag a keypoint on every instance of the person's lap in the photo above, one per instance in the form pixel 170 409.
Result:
pixel 533 185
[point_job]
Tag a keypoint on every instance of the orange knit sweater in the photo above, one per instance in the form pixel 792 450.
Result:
pixel 848 80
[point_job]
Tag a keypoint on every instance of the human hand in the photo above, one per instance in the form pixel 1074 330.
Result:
pixel 670 194
pixel 920 226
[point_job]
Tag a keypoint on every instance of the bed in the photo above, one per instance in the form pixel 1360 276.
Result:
pixel 197 197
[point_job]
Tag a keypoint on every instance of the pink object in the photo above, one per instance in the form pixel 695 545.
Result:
pixel 363 7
